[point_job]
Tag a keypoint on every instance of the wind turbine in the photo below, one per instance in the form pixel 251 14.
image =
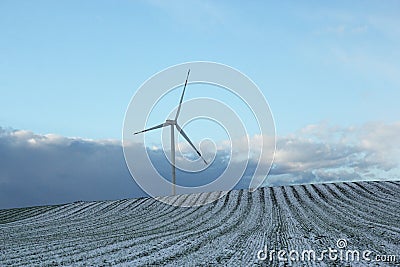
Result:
pixel 173 123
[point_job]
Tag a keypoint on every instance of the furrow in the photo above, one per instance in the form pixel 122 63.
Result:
pixel 356 232
pixel 198 238
pixel 372 192
pixel 372 210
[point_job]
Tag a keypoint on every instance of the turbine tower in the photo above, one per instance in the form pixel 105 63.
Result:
pixel 173 123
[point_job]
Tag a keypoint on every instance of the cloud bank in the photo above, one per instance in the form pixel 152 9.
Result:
pixel 48 169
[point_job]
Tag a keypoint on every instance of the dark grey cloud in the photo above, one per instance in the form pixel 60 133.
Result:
pixel 49 169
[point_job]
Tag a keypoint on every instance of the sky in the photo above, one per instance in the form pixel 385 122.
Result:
pixel 68 69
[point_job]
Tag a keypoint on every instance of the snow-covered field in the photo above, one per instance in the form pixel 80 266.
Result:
pixel 230 231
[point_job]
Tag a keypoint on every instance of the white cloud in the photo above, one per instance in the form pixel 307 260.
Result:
pixel 324 153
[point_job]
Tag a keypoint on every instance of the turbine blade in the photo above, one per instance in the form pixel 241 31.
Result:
pixel 183 92
pixel 180 130
pixel 152 128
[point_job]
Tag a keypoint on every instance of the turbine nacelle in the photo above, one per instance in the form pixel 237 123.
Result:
pixel 170 122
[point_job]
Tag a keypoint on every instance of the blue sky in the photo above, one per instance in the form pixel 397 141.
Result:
pixel 71 67
pixel 68 69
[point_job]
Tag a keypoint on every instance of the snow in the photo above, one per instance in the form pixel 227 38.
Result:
pixel 229 231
